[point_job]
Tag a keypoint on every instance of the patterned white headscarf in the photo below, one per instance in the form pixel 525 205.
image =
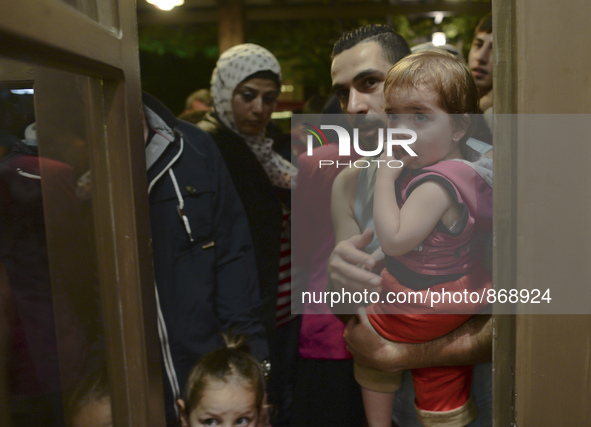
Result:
pixel 232 68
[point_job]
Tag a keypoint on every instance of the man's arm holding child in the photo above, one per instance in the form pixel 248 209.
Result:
pixel 469 344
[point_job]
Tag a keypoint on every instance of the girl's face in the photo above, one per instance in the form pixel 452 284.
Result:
pixel 94 413
pixel 438 135
pixel 225 404
pixel 253 102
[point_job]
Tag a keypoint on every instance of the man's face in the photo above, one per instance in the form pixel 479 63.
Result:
pixel 358 76
pixel 480 62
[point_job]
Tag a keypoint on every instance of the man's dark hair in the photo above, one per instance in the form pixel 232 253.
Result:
pixel 393 45
pixel 485 25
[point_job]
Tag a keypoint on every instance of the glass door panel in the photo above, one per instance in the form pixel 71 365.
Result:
pixel 50 292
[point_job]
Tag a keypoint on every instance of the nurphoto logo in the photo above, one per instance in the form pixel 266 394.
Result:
pixel 394 138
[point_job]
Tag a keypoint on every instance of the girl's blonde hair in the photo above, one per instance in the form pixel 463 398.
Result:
pixel 225 364
pixel 440 72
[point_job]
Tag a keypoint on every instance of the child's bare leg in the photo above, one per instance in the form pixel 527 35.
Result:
pixel 378 407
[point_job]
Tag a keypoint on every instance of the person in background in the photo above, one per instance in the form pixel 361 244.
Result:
pixel 245 86
pixel 204 264
pixel 480 62
pixel 196 106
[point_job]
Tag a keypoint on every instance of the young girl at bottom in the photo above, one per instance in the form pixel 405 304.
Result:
pixel 226 388
pixel 432 217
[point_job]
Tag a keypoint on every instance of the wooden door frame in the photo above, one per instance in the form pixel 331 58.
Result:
pixel 505 207
pixel 542 373
pixel 52 33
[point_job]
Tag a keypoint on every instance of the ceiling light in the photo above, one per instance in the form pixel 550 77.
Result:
pixel 166 4
pixel 438 18
pixel 438 39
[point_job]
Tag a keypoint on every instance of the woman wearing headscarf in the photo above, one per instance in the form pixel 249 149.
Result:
pixel 245 86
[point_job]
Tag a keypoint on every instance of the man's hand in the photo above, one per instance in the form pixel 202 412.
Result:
pixel 351 268
pixel 370 349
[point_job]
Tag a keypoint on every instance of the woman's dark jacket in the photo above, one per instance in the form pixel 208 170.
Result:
pixel 262 202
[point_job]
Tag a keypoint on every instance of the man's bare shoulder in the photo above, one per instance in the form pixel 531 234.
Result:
pixel 346 181
pixel 343 203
